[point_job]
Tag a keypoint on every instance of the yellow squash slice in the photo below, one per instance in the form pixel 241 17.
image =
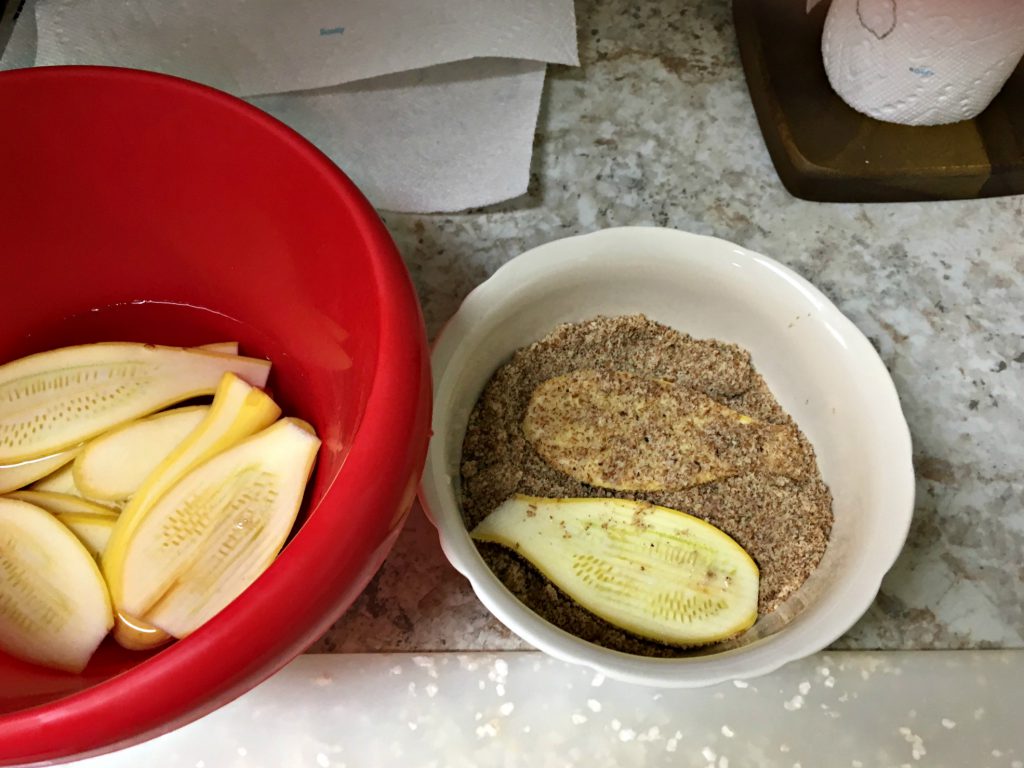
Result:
pixel 55 400
pixel 137 635
pixel 63 503
pixel 653 571
pixel 54 606
pixel 114 465
pixel 59 481
pixel 15 476
pixel 238 411
pixel 614 430
pixel 92 530
pixel 221 347
pixel 212 534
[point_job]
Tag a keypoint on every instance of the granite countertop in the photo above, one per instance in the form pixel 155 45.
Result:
pixel 656 127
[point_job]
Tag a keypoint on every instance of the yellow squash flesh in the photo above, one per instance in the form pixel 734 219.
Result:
pixel 55 400
pixel 15 476
pixel 215 531
pixel 54 606
pixel 238 411
pixel 114 465
pixel 614 430
pixel 653 571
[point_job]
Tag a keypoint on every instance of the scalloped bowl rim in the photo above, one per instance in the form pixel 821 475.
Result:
pixel 810 631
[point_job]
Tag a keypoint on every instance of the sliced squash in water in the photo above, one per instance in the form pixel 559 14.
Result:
pixel 60 481
pixel 653 571
pixel 114 465
pixel 55 400
pixel 63 503
pixel 615 430
pixel 238 411
pixel 54 606
pixel 221 347
pixel 137 635
pixel 92 530
pixel 212 534
pixel 15 476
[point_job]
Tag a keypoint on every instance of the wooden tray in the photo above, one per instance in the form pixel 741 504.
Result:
pixel 825 150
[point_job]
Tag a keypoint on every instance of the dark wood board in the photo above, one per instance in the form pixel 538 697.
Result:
pixel 825 150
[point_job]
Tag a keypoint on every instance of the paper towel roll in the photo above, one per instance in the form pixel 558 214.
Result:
pixel 922 62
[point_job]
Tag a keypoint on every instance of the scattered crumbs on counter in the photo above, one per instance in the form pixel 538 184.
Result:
pixel 396 670
pixel 917 750
pixel 783 748
pixel 741 683
pixel 499 689
pixel 804 688
pixel 323 760
pixel 794 704
pixel 616 725
pixel 653 734
pixel 948 724
pixel 997 753
pixel 830 682
pixel 412 726
pixel 979 713
pixel 598 680
pixel 481 684
pixel 864 674
pixel 426 663
pixel 709 754
pixel 506 709
pixel 578 719
pixel 844 697
pixel 627 734
pixel 242 751
pixel 723 762
pixel 478 716
pixel 487 730
pixel 728 732
pixel 671 744
pixel 431 690
pixel 322 680
pixel 594 705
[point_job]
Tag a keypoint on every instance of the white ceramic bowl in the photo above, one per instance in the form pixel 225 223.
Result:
pixel 823 371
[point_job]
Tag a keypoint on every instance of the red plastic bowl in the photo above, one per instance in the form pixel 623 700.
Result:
pixel 140 207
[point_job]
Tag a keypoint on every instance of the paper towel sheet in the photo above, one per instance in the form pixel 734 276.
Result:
pixel 440 139
pixel 249 47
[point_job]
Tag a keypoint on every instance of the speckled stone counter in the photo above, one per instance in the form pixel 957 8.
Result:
pixel 656 127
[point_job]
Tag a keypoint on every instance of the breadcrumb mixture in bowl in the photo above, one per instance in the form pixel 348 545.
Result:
pixel 734 326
